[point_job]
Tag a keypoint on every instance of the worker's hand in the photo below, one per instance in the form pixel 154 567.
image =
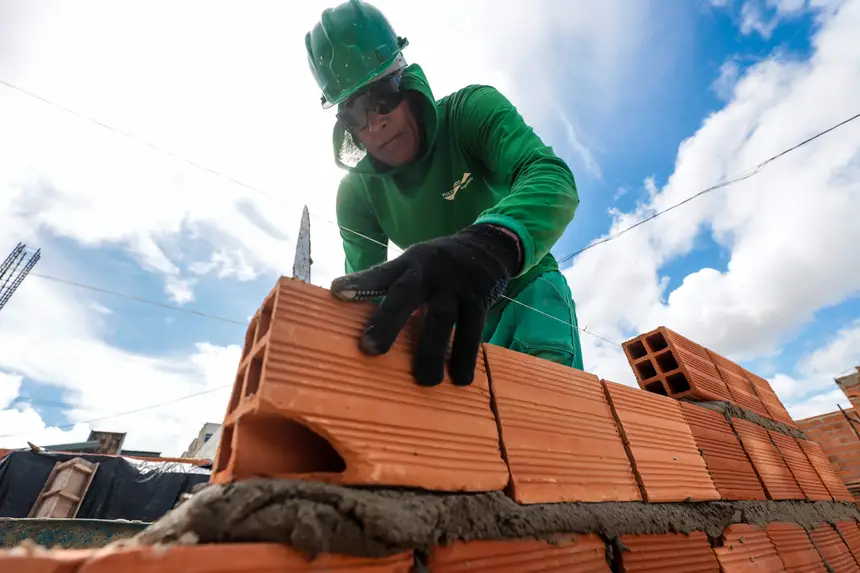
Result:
pixel 458 277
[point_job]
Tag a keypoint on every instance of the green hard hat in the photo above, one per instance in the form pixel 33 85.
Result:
pixel 351 46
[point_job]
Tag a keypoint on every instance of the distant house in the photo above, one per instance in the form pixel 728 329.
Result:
pixel 203 437
pixel 99 442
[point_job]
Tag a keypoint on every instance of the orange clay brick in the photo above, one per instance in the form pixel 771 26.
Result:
pixel 770 400
pixel 816 456
pixel 238 558
pixel 741 389
pixel 805 475
pixel 850 532
pixel 40 560
pixel 745 548
pixel 580 553
pixel 557 432
pixel 833 550
pixel 795 548
pixel 667 363
pixel 665 457
pixel 767 461
pixel 668 553
pixel 309 404
pixel 731 470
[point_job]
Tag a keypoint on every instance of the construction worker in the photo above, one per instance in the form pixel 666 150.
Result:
pixel 463 184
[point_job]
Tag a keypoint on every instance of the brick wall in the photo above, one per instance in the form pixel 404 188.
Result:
pixel 836 436
pixel 307 404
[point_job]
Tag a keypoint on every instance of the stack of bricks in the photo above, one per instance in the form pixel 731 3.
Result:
pixel 785 467
pixel 307 404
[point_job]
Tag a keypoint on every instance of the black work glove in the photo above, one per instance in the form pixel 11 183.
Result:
pixel 458 277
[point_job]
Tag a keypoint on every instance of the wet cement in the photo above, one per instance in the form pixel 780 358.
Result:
pixel 316 517
pixel 734 411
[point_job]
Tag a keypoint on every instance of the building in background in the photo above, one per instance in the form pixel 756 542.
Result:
pixel 203 437
pixel 99 442
pixel 838 433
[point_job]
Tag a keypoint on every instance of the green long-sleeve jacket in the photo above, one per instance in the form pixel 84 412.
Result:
pixel 479 163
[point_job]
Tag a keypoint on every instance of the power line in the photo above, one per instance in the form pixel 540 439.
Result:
pixel 565 259
pixel 117 415
pixel 737 179
pixel 138 299
pixel 135 138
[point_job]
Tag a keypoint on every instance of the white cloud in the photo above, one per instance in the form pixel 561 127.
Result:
pixel 99 308
pixel 787 6
pixel 585 154
pixel 96 379
pixel 812 390
pixel 225 264
pixel 818 404
pixel 179 290
pixel 763 16
pixel 724 85
pixel 754 19
pixel 790 233
pixel 24 425
pixel 10 388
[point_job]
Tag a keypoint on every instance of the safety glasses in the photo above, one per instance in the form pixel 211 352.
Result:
pixel 380 97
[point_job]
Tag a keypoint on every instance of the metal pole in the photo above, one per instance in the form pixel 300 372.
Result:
pixel 850 422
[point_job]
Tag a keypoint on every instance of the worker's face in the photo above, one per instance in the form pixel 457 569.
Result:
pixel 392 138
pixel 382 119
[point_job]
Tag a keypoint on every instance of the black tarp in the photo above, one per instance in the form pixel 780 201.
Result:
pixel 121 489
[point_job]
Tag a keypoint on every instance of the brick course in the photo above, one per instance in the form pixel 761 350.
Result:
pixel 666 459
pixel 560 438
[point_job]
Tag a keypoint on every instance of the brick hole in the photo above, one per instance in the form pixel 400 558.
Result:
pixel 237 392
pixel 249 337
pixel 225 449
pixel 255 373
pixel 656 342
pixel 637 349
pixel 265 318
pixel 646 370
pixel 666 362
pixel 677 383
pixel 656 388
pixel 273 445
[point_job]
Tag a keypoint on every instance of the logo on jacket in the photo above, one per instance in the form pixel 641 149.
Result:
pixel 461 184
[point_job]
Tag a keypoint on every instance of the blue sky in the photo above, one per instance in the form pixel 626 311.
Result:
pixel 620 89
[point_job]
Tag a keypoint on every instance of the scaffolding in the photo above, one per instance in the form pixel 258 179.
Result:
pixel 15 269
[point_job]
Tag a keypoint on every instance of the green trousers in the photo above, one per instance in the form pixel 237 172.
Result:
pixel 525 330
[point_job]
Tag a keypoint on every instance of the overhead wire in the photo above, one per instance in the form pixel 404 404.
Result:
pixel 746 175
pixel 134 138
pixel 725 183
pixel 136 298
pixel 135 411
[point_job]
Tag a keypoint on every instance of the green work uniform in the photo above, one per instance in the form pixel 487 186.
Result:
pixel 479 162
